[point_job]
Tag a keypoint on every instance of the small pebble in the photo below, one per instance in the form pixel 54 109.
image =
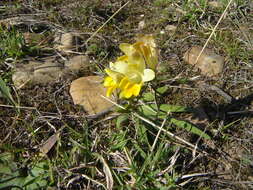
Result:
pixel 141 25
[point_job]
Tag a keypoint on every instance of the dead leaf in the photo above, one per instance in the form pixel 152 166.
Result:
pixel 87 92
pixel 108 173
pixel 48 145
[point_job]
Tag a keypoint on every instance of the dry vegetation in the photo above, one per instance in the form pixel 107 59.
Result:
pixel 111 153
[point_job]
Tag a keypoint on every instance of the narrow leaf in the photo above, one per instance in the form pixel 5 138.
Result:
pixel 120 119
pixel 173 108
pixel 4 89
pixel 190 127
pixel 149 111
pixel 107 172
pixel 48 145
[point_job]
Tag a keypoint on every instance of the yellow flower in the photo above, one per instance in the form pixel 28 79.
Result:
pixel 127 76
pixel 143 50
pixel 129 72
pixel 128 88
pixel 110 84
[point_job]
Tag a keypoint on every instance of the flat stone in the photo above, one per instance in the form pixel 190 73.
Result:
pixel 78 63
pixel 36 72
pixel 21 78
pixel 209 63
pixel 47 71
pixel 88 92
pixel 48 67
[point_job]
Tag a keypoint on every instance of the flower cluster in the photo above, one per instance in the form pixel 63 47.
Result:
pixel 131 70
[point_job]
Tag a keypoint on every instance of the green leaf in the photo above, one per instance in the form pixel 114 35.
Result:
pixel 229 125
pixel 141 132
pixel 148 110
pixel 36 178
pixel 173 108
pixel 4 89
pixel 30 179
pixel 151 110
pixel 148 96
pixel 120 145
pixel 182 80
pixel 162 90
pixel 120 119
pixel 119 140
pixel 139 149
pixel 189 127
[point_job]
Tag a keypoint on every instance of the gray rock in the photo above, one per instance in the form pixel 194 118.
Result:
pixel 78 63
pixel 209 63
pixel 37 72
pixel 67 42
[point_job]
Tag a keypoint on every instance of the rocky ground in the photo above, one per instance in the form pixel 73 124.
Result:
pixel 57 132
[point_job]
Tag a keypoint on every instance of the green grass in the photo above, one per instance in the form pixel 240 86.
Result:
pixel 12 43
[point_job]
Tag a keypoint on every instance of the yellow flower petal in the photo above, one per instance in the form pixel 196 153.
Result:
pixel 108 81
pixel 146 44
pixel 136 89
pixel 116 76
pixel 124 83
pixel 132 89
pixel 138 45
pixel 148 75
pixel 110 91
pixel 134 76
pixel 147 40
pixel 122 58
pixel 146 51
pixel 152 62
pixel 126 93
pixel 134 56
pixel 121 66
pixel 128 49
